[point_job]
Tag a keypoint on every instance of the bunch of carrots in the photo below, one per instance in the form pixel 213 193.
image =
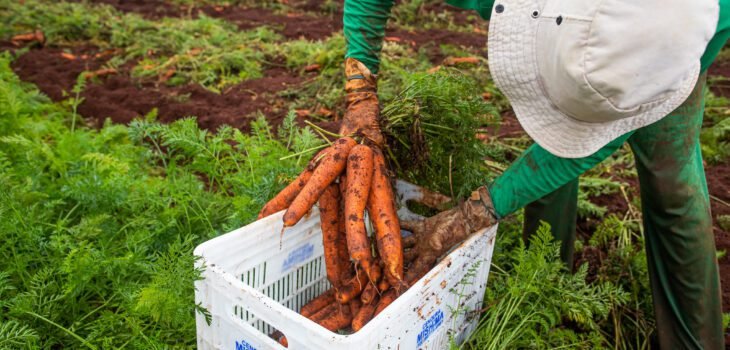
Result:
pixel 363 283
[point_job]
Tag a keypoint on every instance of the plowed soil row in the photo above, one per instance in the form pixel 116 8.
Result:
pixel 314 24
pixel 122 98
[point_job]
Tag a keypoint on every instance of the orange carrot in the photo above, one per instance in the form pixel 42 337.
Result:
pixel 355 305
pixel 329 205
pixel 381 206
pixel 340 318
pixel 364 315
pixel 318 303
pixel 352 288
pixel 324 312
pixel 280 337
pixel 386 299
pixel 282 200
pixel 326 172
pixel 383 285
pixel 342 253
pixel 369 293
pixel 359 179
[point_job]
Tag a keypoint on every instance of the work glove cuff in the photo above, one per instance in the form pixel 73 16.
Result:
pixel 359 77
pixel 478 210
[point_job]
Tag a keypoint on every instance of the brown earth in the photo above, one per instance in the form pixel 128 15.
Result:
pixel 292 26
pixel 314 25
pixel 122 98
pixel 721 69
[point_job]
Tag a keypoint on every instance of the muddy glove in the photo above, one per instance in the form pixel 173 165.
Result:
pixel 363 112
pixel 436 235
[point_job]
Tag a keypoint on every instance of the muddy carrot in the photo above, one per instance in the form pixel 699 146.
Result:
pixel 318 303
pixel 355 305
pixel 364 315
pixel 324 312
pixel 340 318
pixel 329 205
pixel 383 285
pixel 368 293
pixel 280 337
pixel 381 206
pixel 284 198
pixel 326 172
pixel 342 253
pixel 359 179
pixel 386 299
pixel 352 288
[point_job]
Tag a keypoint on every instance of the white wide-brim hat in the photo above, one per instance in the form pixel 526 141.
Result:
pixel 581 73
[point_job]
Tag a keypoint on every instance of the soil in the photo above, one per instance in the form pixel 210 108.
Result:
pixel 720 69
pixel 430 39
pixel 152 9
pixel 122 98
pixel 314 25
pixel 292 25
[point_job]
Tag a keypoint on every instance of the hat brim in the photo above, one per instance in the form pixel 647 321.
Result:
pixel 513 65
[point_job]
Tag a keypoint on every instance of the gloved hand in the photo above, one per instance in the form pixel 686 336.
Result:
pixel 434 236
pixel 363 111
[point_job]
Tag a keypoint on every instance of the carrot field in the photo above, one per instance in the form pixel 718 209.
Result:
pixel 132 131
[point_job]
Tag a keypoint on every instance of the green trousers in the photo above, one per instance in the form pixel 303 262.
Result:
pixel 680 246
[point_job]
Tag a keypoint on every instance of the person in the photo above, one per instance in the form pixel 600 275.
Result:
pixel 584 77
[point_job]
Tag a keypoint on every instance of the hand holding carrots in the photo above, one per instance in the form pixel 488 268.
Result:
pixel 356 176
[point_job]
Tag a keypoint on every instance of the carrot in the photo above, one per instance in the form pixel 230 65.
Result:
pixel 369 293
pixel 381 206
pixel 342 253
pixel 324 312
pixel 383 285
pixel 352 288
pixel 355 305
pixel 279 337
pixel 359 178
pixel 386 299
pixel 329 205
pixel 318 303
pixel 326 172
pixel 364 315
pixel 284 198
pixel 340 318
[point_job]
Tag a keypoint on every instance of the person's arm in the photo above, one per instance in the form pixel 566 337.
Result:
pixel 482 7
pixel 364 27
pixel 722 33
pixel 537 173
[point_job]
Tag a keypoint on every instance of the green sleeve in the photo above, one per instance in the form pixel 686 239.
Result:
pixel 721 36
pixel 537 173
pixel 482 7
pixel 364 27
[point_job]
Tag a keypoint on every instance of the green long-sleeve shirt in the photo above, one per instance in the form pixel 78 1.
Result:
pixel 365 20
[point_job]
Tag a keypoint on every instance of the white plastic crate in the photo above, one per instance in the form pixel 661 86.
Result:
pixel 255 283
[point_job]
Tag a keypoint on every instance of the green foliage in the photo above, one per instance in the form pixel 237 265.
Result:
pixel 432 124
pixel 99 225
pixel 533 302
pixel 616 252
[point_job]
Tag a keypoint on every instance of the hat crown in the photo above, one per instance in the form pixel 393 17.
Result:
pixel 605 60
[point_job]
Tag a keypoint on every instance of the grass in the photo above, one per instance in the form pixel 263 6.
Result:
pixel 99 225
